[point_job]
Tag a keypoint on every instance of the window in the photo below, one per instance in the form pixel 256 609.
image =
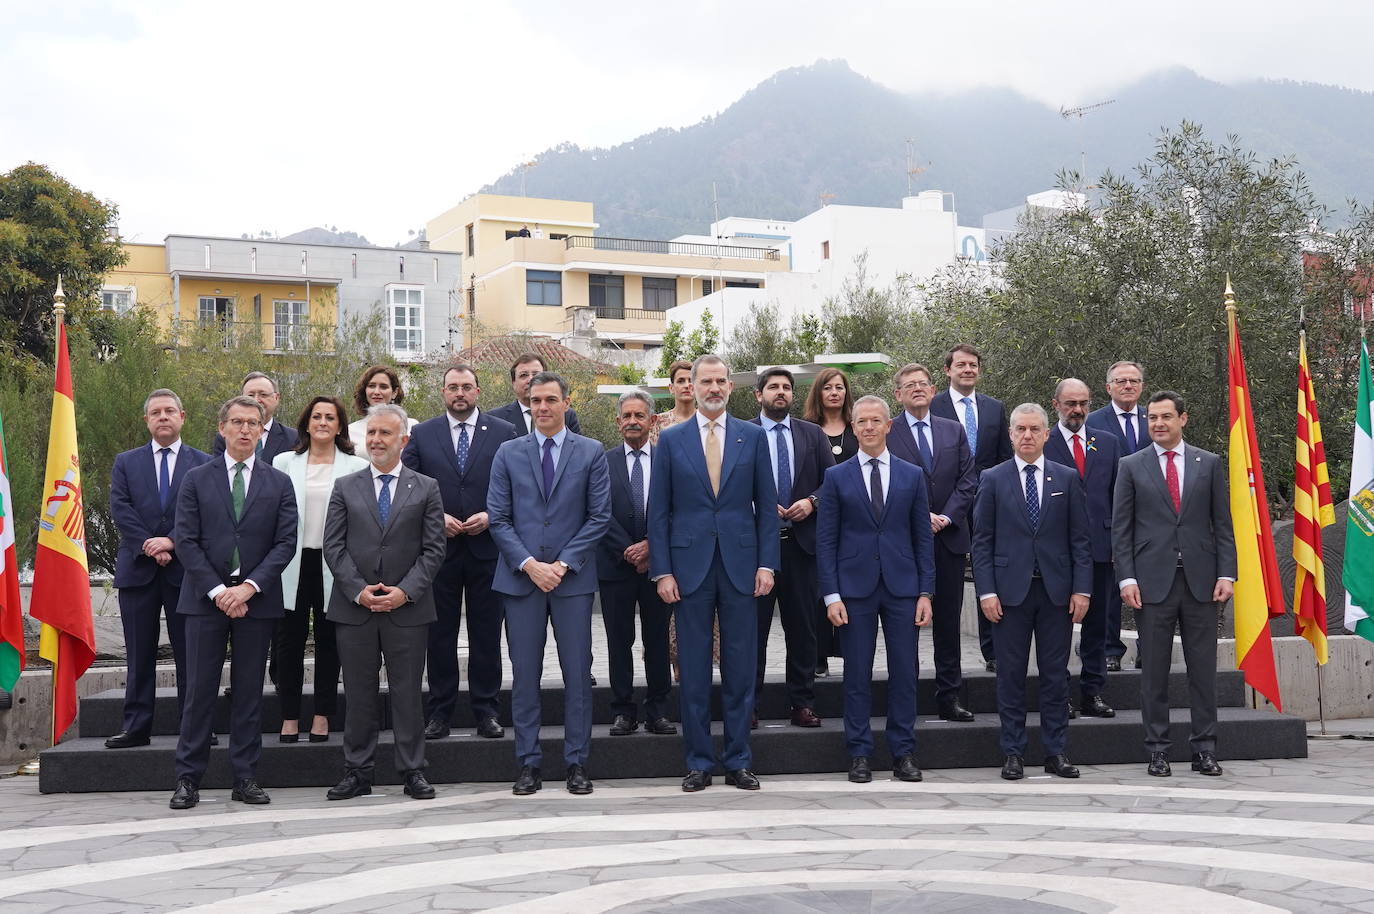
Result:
pixel 472 241
pixel 406 307
pixel 708 286
pixel 207 256
pixel 214 309
pixel 558 236
pixel 741 284
pixel 660 293
pixel 252 260
pixel 119 299
pixel 825 250
pixel 289 323
pixel 305 262
pixel 403 266
pixel 354 261
pixel 606 293
pixel 543 287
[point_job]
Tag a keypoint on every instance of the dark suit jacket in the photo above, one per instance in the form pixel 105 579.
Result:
pixel 565 526
pixel 1006 550
pixel 1104 418
pixel 811 458
pixel 280 438
pixel 406 553
pixel 206 534
pixel 430 452
pixel 513 413
pixel 1101 453
pixel 953 481
pixel 610 552
pixel 687 521
pixel 138 514
pixel 855 550
pixel 994 434
pixel 1148 537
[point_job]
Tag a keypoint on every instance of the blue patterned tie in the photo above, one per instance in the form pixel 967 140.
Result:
pixel 164 479
pixel 1032 497
pixel 384 499
pixel 1131 441
pixel 548 467
pixel 970 424
pixel 637 494
pixel 462 447
pixel 927 458
pixel 784 467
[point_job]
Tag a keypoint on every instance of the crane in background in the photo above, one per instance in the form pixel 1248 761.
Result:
pixel 1078 112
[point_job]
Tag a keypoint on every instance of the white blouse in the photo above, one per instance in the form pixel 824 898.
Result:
pixel 319 483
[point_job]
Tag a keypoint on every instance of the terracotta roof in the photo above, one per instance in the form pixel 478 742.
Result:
pixel 503 350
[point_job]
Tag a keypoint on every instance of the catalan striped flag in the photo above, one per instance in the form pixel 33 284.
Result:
pixel 1259 590
pixel 11 611
pixel 1312 510
pixel 61 597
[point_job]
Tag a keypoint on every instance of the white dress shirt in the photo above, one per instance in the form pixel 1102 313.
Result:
pixel 885 474
pixel 959 407
pixel 394 473
pixel 1136 421
pixel 455 424
pixel 928 434
pixel 703 422
pixel 646 465
pixel 768 426
pixel 1082 435
pixel 175 448
pixel 229 463
pixel 558 440
pixel 1164 464
pixel 1021 465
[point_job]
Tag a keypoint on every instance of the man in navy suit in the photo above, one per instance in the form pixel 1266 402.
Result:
pixel 517 412
pixel 622 568
pixel 1094 457
pixel 940 448
pixel 235 533
pixel 875 558
pixel 1124 419
pixel 713 550
pixel 456 450
pixel 800 454
pixel 144 484
pixel 1032 565
pixel 276 438
pixel 550 503
pixel 984 421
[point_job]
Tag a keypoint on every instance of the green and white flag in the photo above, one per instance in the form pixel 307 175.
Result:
pixel 1358 574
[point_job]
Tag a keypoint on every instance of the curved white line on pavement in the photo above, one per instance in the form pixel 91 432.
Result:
pixel 742 820
pixel 1126 896
pixel 462 871
pixel 231 816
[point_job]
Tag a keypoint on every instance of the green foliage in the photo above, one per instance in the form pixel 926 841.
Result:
pixel 678 343
pixel 673 345
pixel 864 318
pixel 761 339
pixel 48 227
pixel 631 373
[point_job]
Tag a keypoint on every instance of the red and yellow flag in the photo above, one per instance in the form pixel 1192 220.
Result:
pixel 1312 510
pixel 1259 591
pixel 61 584
pixel 11 612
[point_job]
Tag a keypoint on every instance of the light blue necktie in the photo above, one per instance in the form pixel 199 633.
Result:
pixel 970 424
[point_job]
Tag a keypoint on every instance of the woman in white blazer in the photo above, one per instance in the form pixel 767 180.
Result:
pixel 379 384
pixel 323 454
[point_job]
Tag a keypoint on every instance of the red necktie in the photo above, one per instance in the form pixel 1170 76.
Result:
pixel 1171 479
pixel 1079 457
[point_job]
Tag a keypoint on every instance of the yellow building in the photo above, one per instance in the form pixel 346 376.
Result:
pixel 537 283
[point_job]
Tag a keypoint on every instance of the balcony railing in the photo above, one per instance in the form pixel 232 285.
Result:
pixel 267 336
pixel 648 246
pixel 627 314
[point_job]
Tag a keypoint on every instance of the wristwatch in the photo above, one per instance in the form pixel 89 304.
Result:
pixel 813 499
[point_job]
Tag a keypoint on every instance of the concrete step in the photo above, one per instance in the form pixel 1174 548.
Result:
pixel 83 765
pixel 102 713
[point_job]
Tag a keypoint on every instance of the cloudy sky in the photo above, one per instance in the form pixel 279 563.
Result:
pixel 229 118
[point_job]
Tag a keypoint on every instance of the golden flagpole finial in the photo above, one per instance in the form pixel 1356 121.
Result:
pixel 59 299
pixel 1230 295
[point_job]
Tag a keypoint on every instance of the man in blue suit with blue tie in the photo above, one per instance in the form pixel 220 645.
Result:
pixel 1032 565
pixel 144 484
pixel 875 558
pixel 549 505
pixel 713 549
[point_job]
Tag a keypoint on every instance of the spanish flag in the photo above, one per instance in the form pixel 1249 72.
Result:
pixel 61 584
pixel 1259 591
pixel 1312 510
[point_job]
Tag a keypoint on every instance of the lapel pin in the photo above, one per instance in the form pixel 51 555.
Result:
pixel 484 428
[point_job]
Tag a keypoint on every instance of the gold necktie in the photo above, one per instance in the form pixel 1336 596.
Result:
pixel 713 457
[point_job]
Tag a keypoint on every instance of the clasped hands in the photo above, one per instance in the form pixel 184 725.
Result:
pixel 637 554
pixel 799 510
pixel 545 575
pixel 470 527
pixel 159 549
pixel 381 598
pixel 233 601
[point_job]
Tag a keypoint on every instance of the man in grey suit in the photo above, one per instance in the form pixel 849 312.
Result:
pixel 549 505
pixel 384 542
pixel 1175 559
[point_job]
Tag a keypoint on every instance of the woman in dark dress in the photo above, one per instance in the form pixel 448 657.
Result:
pixel 830 405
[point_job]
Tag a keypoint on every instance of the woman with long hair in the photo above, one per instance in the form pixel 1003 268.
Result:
pixel 378 384
pixel 830 405
pixel 323 454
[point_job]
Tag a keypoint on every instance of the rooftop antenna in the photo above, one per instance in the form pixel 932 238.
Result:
pixel 912 169
pixel 525 170
pixel 1071 113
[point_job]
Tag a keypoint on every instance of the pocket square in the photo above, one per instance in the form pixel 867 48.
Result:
pixel 1055 494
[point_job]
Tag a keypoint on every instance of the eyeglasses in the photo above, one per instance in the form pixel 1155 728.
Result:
pixel 249 424
pixel 916 385
pixel 459 388
pixel 1075 404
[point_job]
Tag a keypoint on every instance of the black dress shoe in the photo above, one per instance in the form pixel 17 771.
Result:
pixel 488 728
pixel 1094 706
pixel 904 768
pixel 214 739
pixel 859 772
pixel 288 737
pixel 990 666
pixel 185 796
pixel 248 791
pixel 417 787
pixel 352 785
pixel 823 670
pixel 1206 763
pixel 696 780
pixel 623 725
pixel 528 782
pixel 1159 765
pixel 125 740
pixel 661 726
pixel 1059 766
pixel 578 782
pixel 1013 769
pixel 319 737
pixel 1113 664
pixel 953 711
pixel 805 717
pixel 436 729
pixel 742 778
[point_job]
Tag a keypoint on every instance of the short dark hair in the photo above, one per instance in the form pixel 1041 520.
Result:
pixel 525 358
pixel 549 377
pixel 1161 395
pixel 910 368
pixel 254 375
pixel 360 389
pixel 968 348
pixel 461 366
pixel 341 439
pixel 776 371
pixel 678 365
